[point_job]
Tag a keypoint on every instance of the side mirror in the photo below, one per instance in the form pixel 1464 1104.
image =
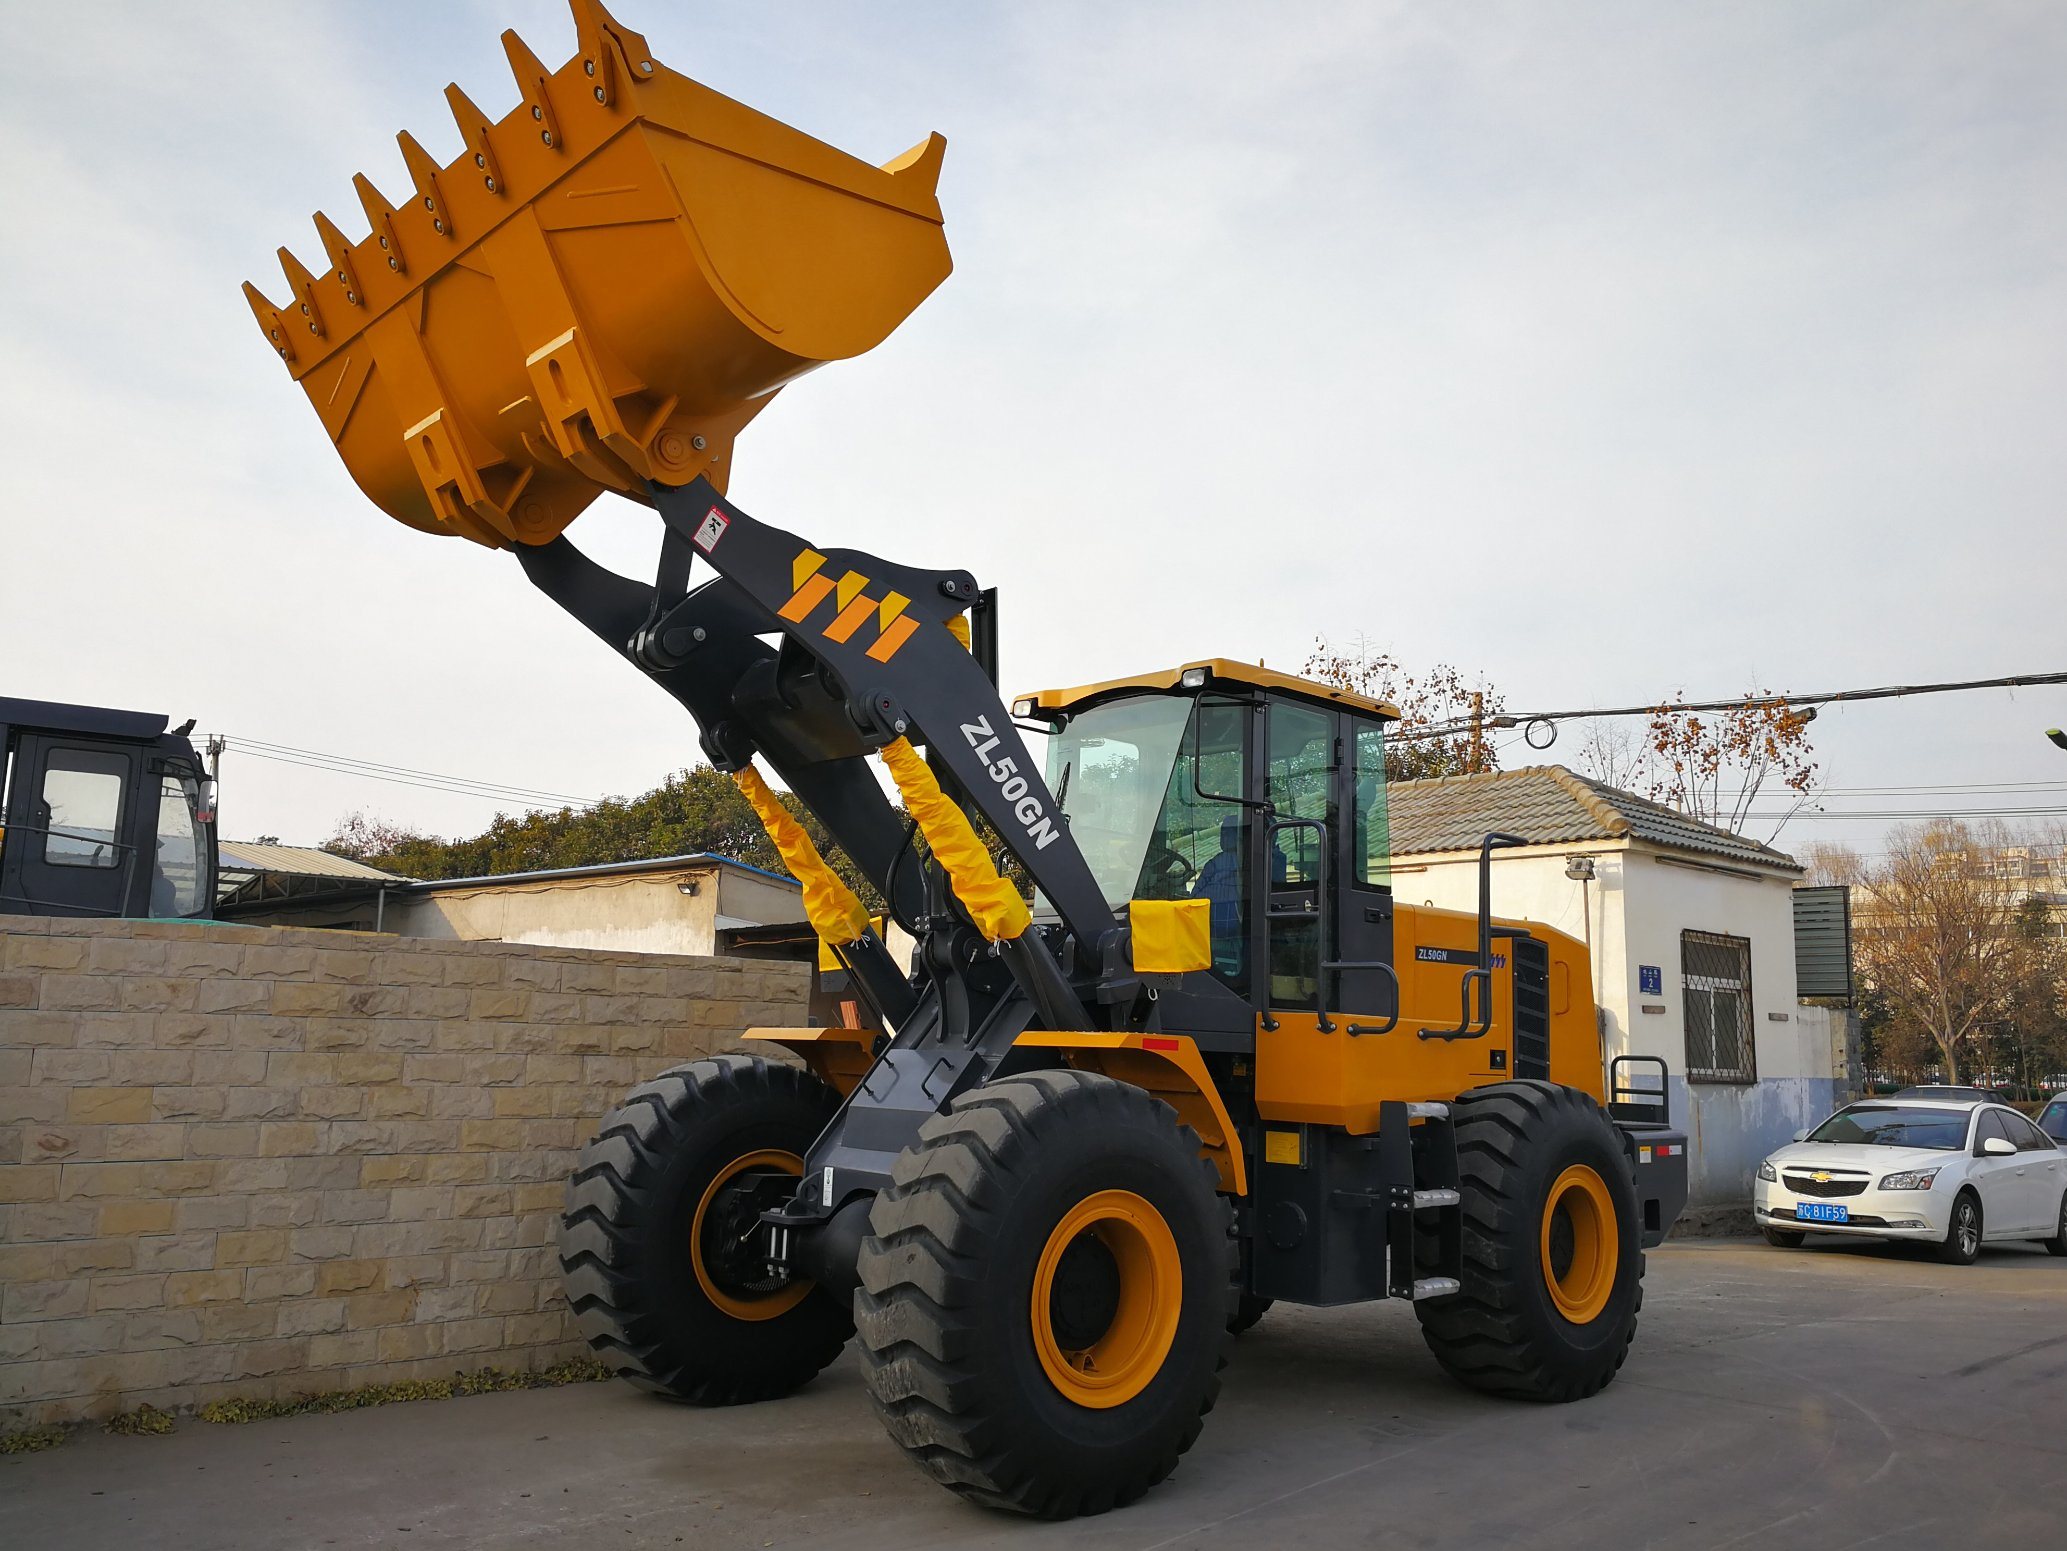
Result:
pixel 1802 1135
pixel 1998 1147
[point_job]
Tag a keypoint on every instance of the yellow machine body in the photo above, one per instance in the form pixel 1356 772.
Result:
pixel 1305 1075
pixel 607 283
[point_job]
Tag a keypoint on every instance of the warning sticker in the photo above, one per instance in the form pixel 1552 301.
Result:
pixel 715 523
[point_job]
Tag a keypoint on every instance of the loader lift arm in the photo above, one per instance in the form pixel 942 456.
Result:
pixel 866 657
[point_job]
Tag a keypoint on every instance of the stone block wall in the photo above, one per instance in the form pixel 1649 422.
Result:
pixel 248 1161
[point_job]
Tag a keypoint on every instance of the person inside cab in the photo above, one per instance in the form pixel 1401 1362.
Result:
pixel 1220 881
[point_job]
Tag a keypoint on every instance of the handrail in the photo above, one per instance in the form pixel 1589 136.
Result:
pixel 1467 1027
pixel 1318 915
pixel 1657 1101
pixel 1392 1020
pixel 129 849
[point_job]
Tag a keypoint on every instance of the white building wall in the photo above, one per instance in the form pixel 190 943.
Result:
pixel 626 913
pixel 1638 905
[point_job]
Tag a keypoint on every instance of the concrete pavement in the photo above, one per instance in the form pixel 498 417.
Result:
pixel 1832 1397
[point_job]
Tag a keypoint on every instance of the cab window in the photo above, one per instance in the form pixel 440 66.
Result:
pixel 1300 766
pixel 1302 757
pixel 179 871
pixel 82 808
pixel 1370 840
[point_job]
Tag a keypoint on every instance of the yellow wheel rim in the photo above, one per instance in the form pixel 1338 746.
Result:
pixel 1580 1245
pixel 1114 1365
pixel 752 1307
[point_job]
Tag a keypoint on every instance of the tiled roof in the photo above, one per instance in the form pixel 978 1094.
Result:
pixel 1550 805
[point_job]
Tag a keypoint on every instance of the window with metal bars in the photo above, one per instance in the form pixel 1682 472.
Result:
pixel 1716 973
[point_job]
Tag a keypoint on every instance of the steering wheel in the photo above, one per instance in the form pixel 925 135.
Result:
pixel 1168 866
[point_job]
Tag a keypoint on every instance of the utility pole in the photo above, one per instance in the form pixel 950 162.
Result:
pixel 1478 733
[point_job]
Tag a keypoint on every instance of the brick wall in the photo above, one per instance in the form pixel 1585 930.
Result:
pixel 263 1162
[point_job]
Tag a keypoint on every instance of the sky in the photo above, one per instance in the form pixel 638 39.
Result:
pixel 1605 350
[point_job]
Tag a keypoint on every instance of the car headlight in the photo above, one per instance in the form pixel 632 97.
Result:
pixel 1767 1172
pixel 1914 1179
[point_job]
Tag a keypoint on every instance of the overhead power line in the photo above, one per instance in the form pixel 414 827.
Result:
pixel 1980 788
pixel 1817 815
pixel 404 775
pixel 1526 719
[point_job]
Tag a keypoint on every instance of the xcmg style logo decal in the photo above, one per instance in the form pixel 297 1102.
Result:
pixel 851 604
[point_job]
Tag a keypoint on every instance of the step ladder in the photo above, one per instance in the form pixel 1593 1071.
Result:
pixel 1417 1157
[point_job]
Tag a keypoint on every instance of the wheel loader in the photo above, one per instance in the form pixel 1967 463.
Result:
pixel 1215 1062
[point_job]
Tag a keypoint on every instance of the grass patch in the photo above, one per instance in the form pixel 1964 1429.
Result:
pixel 145 1421
pixel 32 1440
pixel 484 1381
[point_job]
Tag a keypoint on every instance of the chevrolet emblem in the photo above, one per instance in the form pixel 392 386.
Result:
pixel 1821 1176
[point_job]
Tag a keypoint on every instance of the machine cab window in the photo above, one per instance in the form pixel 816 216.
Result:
pixel 1174 795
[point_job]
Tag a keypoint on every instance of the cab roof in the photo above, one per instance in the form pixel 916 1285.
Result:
pixel 1219 671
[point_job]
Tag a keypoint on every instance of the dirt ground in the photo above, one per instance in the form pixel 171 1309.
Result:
pixel 1831 1397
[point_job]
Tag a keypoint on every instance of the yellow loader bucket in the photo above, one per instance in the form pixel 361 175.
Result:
pixel 606 285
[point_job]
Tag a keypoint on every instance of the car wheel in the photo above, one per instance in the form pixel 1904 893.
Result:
pixel 1785 1238
pixel 1962 1246
pixel 2057 1244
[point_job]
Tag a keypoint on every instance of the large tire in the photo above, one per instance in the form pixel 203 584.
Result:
pixel 1553 1264
pixel 1072 1196
pixel 666 1292
pixel 2057 1244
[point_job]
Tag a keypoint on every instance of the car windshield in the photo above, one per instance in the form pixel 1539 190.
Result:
pixel 2053 1120
pixel 1895 1125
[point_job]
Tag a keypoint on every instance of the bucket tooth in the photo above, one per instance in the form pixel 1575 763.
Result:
pixel 271 320
pixel 921 163
pixel 303 285
pixel 423 172
pixel 611 53
pixel 380 215
pixel 342 265
pixel 532 78
pixel 473 128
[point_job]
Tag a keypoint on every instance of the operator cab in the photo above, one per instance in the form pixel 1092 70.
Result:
pixel 102 813
pixel 1197 782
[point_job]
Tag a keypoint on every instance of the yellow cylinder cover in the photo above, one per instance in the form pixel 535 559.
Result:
pixel 606 285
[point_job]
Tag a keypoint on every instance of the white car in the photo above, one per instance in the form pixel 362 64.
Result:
pixel 1945 1172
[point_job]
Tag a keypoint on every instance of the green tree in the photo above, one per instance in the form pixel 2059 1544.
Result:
pixel 695 810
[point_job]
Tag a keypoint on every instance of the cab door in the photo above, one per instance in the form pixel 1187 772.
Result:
pixel 72 846
pixel 1301 744
pixel 1365 987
